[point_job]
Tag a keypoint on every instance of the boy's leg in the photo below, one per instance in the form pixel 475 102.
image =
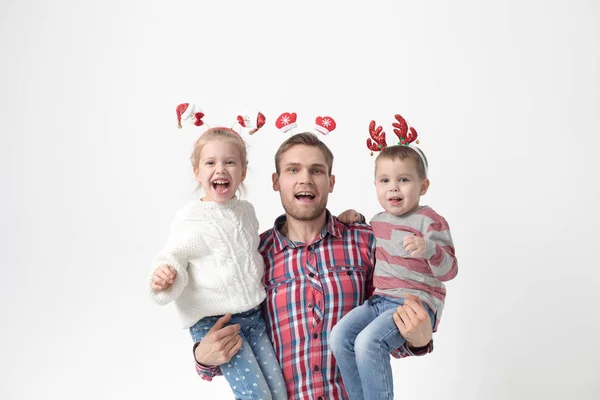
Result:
pixel 266 359
pixel 342 341
pixel 373 347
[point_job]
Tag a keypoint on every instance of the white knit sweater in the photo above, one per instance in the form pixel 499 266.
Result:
pixel 213 247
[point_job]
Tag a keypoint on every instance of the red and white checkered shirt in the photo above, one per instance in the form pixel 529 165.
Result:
pixel 310 287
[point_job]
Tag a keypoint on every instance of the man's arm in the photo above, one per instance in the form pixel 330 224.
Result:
pixel 219 345
pixel 415 326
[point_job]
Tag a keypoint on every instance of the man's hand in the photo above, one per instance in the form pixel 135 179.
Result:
pixel 163 277
pixel 350 217
pixel 220 344
pixel 414 245
pixel 413 322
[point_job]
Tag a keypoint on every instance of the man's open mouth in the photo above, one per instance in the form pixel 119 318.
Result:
pixel 305 196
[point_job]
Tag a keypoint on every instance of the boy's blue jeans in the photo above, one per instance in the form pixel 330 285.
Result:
pixel 254 372
pixel 362 342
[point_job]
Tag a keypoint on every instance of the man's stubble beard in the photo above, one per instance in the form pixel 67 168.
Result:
pixel 304 214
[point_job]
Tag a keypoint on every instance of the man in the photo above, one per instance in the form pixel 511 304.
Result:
pixel 316 270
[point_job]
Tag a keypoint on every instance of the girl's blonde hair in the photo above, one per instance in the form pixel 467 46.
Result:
pixel 219 133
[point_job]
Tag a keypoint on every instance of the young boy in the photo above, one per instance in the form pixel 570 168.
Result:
pixel 415 254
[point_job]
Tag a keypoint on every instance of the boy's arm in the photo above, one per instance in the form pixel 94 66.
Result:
pixel 439 249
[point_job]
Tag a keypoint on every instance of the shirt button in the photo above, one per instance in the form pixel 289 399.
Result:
pixel 319 398
pixel 311 274
pixel 310 305
pixel 316 368
pixel 349 272
pixel 315 335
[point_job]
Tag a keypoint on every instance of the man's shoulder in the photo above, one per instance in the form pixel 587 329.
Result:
pixel 267 239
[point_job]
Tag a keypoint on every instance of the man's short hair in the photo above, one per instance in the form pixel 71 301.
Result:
pixel 306 139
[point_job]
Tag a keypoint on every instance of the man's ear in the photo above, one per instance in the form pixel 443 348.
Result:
pixel 331 183
pixel 275 179
pixel 424 187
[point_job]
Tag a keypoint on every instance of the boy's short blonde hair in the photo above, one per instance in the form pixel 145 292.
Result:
pixel 402 153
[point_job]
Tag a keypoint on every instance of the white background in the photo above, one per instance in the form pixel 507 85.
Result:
pixel 504 95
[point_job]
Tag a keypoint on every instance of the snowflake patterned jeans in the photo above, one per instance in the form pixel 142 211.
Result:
pixel 254 372
pixel 362 342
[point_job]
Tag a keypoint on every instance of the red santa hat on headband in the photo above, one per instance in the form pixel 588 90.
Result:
pixel 249 122
pixel 189 112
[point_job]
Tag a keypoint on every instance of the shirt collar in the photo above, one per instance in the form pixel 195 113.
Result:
pixel 333 226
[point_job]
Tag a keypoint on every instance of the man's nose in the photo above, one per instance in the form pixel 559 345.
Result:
pixel 305 177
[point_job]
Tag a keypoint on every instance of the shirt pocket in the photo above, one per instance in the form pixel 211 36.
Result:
pixel 349 282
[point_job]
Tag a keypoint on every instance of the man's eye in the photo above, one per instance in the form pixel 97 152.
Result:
pixel 317 171
pixel 292 170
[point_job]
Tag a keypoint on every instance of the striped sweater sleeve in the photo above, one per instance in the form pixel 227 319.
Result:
pixel 439 248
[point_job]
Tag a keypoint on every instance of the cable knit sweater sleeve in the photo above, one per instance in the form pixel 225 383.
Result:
pixel 175 253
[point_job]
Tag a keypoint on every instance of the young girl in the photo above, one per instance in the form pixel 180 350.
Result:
pixel 210 265
pixel 415 255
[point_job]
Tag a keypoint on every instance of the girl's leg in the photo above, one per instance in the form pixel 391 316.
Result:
pixel 267 361
pixel 242 372
pixel 244 375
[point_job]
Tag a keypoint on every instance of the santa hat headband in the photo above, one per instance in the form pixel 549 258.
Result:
pixel 246 122
pixel 288 121
pixel 406 135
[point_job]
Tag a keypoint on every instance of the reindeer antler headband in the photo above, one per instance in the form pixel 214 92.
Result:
pixel 406 136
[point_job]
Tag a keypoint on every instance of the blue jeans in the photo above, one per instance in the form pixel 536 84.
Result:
pixel 362 342
pixel 254 372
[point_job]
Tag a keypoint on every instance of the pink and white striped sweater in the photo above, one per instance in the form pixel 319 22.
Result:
pixel 397 273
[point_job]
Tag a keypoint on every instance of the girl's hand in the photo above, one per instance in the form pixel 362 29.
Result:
pixel 350 217
pixel 414 245
pixel 163 277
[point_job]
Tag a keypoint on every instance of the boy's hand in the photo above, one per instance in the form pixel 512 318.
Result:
pixel 163 277
pixel 414 245
pixel 350 216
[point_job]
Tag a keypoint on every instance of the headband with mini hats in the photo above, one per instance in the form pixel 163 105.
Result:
pixel 246 122
pixel 287 121
pixel 406 135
